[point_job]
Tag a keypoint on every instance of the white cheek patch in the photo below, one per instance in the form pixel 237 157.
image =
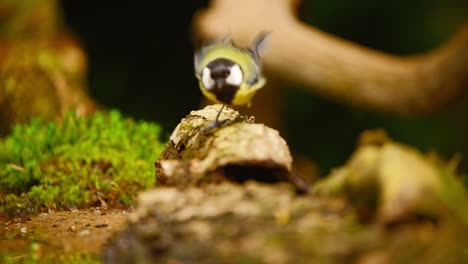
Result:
pixel 235 76
pixel 207 81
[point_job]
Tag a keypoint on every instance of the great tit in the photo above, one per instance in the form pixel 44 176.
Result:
pixel 229 74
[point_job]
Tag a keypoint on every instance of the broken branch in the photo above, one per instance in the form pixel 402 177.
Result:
pixel 339 69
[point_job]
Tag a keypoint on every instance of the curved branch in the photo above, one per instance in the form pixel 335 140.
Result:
pixel 339 69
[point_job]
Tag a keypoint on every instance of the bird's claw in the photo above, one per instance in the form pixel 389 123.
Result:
pixel 215 124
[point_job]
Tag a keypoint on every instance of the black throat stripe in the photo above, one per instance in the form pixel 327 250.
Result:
pixel 226 93
pixel 220 69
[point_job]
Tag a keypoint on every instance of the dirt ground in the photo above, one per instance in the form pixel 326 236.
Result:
pixel 57 232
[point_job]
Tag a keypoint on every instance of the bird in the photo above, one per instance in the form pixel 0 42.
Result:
pixel 229 74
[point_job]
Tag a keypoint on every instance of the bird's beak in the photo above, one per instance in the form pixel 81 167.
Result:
pixel 219 83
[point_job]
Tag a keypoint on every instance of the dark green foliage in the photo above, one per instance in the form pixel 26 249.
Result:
pixel 80 162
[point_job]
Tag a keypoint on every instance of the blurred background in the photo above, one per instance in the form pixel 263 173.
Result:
pixel 140 61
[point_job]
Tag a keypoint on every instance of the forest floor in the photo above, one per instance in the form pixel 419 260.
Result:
pixel 60 232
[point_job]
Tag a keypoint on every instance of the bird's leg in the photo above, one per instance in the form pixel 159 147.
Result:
pixel 217 116
pixel 215 122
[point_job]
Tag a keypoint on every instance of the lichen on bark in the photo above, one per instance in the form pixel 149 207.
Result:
pixel 238 151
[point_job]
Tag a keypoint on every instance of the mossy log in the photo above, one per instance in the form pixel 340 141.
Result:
pixel 198 214
pixel 270 223
pixel 396 182
pixel 238 151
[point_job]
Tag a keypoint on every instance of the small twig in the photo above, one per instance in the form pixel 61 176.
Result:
pixel 16 167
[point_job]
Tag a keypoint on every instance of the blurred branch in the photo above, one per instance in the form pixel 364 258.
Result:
pixel 42 65
pixel 339 69
pixel 37 19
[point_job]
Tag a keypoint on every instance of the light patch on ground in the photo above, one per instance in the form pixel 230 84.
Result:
pixel 77 231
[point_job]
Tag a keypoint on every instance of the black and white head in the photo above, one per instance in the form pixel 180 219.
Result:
pixel 221 73
pixel 225 75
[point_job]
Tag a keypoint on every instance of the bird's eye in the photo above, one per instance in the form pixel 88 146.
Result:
pixel 235 76
pixel 207 81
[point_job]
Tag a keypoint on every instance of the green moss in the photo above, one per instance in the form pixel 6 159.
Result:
pixel 104 158
pixel 35 256
pixel 453 192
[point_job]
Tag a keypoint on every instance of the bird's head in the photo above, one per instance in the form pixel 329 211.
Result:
pixel 221 73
